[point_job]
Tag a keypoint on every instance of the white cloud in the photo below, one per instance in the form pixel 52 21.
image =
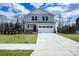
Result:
pixel 9 13
pixel 2 12
pixel 67 14
pixel 54 8
pixel 21 8
pixel 75 12
pixel 37 5
pixel 71 13
pixel 6 4
pixel 14 6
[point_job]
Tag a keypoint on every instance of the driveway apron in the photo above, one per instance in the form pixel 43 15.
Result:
pixel 51 44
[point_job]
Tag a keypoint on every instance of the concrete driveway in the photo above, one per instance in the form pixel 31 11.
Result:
pixel 51 44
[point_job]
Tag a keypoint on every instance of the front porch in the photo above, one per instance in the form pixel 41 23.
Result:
pixel 31 28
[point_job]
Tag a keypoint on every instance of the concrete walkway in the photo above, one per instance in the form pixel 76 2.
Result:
pixel 17 46
pixel 50 44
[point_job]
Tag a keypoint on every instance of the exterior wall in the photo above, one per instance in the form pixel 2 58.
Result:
pixel 31 27
pixel 37 26
pixel 46 24
pixel 77 25
pixel 39 18
pixel 28 30
pixel 39 13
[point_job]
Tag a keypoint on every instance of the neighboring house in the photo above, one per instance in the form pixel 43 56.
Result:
pixel 77 25
pixel 40 21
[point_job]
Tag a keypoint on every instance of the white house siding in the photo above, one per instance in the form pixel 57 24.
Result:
pixel 30 25
pixel 39 13
pixel 39 17
pixel 45 24
pixel 41 24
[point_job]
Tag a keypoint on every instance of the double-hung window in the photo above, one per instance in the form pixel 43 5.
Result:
pixel 45 18
pixel 34 18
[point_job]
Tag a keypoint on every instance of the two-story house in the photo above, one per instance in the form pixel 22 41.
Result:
pixel 40 21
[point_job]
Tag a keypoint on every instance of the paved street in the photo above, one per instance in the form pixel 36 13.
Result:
pixel 50 44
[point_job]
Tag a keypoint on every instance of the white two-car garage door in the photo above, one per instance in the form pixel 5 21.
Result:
pixel 45 29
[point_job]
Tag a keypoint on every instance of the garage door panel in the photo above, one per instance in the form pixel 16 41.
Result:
pixel 47 30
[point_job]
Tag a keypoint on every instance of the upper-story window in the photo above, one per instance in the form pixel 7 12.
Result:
pixel 34 17
pixel 45 18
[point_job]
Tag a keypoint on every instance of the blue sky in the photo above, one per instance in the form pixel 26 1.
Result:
pixel 69 10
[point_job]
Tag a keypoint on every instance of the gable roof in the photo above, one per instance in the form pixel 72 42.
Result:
pixel 40 11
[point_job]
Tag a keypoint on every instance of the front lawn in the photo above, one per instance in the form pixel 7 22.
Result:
pixel 18 38
pixel 15 52
pixel 71 36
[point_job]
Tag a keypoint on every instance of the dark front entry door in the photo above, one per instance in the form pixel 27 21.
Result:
pixel 34 28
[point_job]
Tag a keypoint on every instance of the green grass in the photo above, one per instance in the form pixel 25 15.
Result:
pixel 71 36
pixel 15 52
pixel 18 38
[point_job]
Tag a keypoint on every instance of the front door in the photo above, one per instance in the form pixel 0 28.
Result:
pixel 34 28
